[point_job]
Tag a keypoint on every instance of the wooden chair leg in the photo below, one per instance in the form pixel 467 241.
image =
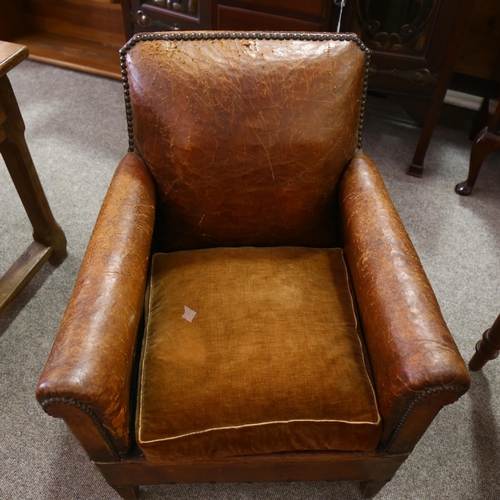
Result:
pixel 481 119
pixel 370 488
pixel 485 143
pixel 487 348
pixel 127 492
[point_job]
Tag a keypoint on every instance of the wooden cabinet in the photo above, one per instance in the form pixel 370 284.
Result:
pixel 479 55
pixel 166 15
pixel 409 40
pixel 275 15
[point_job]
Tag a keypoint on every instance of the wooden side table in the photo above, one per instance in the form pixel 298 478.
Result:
pixel 49 240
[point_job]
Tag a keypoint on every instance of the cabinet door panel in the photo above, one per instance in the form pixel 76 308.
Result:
pixel 311 7
pixel 403 26
pixel 231 18
pixel 160 15
pixel 409 40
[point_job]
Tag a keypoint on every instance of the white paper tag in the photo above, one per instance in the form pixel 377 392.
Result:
pixel 189 314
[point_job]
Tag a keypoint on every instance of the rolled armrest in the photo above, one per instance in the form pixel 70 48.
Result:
pixel 414 358
pixel 90 364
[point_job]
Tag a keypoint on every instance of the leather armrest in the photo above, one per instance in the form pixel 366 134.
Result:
pixel 416 365
pixel 90 364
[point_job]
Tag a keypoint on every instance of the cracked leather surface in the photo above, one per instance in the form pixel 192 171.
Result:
pixel 411 349
pixel 92 356
pixel 246 139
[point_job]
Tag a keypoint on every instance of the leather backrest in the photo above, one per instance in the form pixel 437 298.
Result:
pixel 245 134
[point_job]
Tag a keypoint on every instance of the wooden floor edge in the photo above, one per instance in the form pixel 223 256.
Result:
pixel 73 53
pixel 85 68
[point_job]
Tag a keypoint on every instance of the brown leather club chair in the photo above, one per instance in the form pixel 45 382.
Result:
pixel 317 349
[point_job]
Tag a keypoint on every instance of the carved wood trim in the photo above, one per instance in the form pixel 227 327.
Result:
pixel 399 40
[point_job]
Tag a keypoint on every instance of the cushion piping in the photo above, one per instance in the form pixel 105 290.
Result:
pixel 257 424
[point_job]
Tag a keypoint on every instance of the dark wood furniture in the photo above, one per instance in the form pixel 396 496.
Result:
pixel 487 348
pixel 445 73
pixel 485 133
pixel 248 140
pixel 49 240
pixel 480 49
pixel 486 141
pixel 316 15
pixel 166 15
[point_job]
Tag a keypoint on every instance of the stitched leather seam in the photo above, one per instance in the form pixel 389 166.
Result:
pixel 253 35
pixel 421 397
pixel 88 411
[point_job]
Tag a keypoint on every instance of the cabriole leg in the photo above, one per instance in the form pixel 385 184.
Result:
pixel 485 143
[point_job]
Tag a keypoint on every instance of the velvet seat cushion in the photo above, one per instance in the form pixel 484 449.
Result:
pixel 272 361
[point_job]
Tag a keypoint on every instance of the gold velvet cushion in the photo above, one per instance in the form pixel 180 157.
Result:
pixel 271 362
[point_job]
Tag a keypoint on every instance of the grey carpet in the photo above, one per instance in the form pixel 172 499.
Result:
pixel 76 133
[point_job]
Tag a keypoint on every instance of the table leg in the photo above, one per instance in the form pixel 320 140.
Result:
pixel 17 157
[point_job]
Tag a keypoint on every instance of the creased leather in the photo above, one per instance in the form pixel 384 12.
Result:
pixel 410 347
pixel 92 356
pixel 246 139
